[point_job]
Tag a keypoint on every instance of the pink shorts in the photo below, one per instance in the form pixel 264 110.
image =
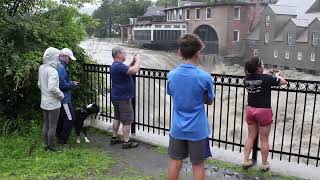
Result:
pixel 260 116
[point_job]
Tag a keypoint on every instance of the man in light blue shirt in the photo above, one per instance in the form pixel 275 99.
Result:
pixel 191 88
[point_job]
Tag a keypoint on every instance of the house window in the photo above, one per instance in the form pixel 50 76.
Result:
pixel 255 52
pixel 180 14
pixel 287 55
pixel 174 16
pixel 167 26
pixel 208 13
pixel 275 53
pixel 197 14
pixel 169 15
pixel 236 35
pixel 267 21
pixel 157 26
pixel 312 57
pixel 266 38
pixel 237 13
pixel 187 14
pixel 299 56
pixel 289 38
pixel 315 38
pixel 176 26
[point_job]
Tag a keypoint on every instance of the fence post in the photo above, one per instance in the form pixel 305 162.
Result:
pixel 255 149
pixel 133 101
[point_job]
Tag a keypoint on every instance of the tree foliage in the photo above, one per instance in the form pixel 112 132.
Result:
pixel 175 2
pixel 167 3
pixel 27 28
pixel 113 13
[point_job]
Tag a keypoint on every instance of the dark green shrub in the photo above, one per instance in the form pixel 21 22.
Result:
pixel 23 38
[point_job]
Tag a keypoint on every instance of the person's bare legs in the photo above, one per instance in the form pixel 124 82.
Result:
pixel 264 142
pixel 115 128
pixel 198 171
pixel 174 169
pixel 252 134
pixel 126 132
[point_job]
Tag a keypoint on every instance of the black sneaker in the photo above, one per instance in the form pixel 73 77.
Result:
pixel 129 144
pixel 115 140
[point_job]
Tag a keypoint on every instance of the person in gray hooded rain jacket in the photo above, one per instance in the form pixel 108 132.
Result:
pixel 51 95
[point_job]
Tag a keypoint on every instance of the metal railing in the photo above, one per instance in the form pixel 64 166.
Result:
pixel 295 132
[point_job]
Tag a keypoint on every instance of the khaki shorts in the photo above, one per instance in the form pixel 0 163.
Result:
pixel 123 111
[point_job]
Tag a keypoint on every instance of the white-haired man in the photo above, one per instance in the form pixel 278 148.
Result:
pixel 121 94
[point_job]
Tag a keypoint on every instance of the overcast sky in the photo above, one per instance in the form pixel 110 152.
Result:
pixel 89 8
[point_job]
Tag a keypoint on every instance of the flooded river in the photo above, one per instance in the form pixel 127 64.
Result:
pixel 297 118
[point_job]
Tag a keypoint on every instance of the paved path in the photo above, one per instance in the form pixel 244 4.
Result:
pixel 147 161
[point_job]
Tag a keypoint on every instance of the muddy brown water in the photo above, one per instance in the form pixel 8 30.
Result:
pixel 296 115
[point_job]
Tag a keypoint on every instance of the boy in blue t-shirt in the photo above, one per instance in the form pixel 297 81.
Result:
pixel 191 88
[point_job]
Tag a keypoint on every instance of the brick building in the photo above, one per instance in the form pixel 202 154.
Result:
pixel 222 27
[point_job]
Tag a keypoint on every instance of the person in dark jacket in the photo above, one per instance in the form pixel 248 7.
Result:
pixel 67 115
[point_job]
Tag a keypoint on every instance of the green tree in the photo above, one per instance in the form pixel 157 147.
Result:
pixel 167 2
pixel 113 13
pixel 27 28
pixel 175 2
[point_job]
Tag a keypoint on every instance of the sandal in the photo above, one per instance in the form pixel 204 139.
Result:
pixel 265 167
pixel 248 164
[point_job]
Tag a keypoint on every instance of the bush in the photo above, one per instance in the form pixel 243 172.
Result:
pixel 23 38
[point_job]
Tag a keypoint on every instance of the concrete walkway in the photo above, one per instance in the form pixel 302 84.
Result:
pixel 151 162
pixel 277 167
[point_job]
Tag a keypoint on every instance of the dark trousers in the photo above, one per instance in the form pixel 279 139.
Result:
pixel 65 123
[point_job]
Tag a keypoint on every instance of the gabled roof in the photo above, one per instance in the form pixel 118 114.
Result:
pixel 300 22
pixel 155 11
pixel 292 7
pixel 190 3
pixel 303 13
pixel 304 20
pixel 302 6
pixel 283 9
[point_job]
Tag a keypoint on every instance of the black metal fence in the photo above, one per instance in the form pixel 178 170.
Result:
pixel 295 132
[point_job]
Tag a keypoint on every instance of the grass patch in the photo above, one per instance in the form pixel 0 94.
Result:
pixel 161 149
pixel 76 162
pixel 251 172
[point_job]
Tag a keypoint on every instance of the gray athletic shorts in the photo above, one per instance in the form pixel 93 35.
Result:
pixel 181 149
pixel 123 111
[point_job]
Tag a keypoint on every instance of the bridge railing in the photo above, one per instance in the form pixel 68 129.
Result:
pixel 295 131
